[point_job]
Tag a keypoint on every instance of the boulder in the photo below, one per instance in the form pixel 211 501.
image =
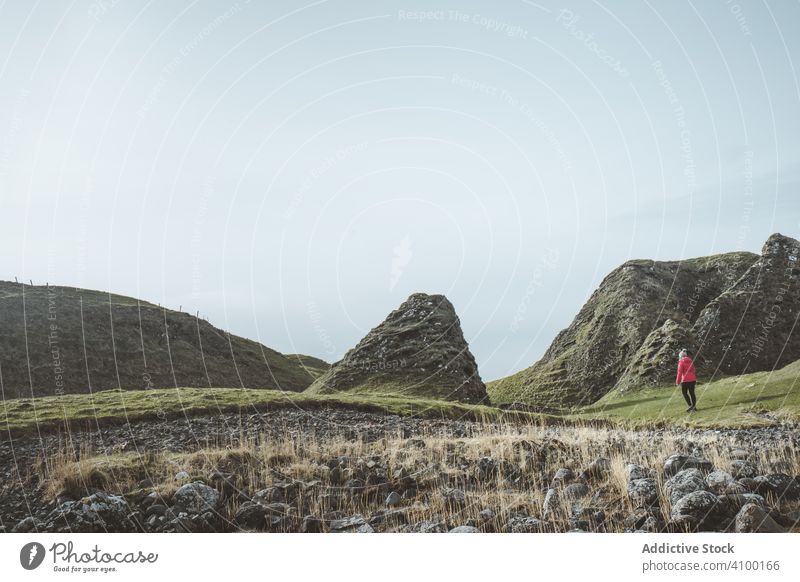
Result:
pixel 743 468
pixel 525 525
pixel 195 498
pixel 643 492
pixel 719 481
pixel 574 491
pixel 563 476
pixel 677 462
pixel 454 498
pixel 753 518
pixel 99 512
pixel 698 510
pixel 393 499
pixel 551 506
pixel 355 524
pixel 487 468
pixel 635 472
pixel 683 483
pixel 781 485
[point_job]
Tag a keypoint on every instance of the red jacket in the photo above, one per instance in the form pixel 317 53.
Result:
pixel 686 371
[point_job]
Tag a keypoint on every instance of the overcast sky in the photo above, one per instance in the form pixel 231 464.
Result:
pixel 295 171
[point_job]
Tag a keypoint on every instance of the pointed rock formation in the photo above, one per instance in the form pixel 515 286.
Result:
pixel 419 349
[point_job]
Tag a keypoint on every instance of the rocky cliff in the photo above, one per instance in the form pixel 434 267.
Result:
pixel 627 332
pixel 753 325
pixel 419 349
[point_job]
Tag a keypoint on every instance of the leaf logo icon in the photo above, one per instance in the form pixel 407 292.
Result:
pixel 31 555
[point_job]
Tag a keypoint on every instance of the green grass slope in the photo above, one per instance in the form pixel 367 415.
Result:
pixel 107 407
pixel 314 366
pixel 757 399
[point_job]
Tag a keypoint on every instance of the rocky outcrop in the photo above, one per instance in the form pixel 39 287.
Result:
pixel 653 364
pixel 56 340
pixel 419 349
pixel 737 312
pixel 626 331
pixel 752 325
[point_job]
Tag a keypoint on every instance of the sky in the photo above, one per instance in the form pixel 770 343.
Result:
pixel 293 171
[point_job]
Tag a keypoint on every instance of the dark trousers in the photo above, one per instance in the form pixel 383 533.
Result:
pixel 688 393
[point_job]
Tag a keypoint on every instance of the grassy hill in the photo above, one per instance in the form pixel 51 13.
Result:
pixel 756 399
pixel 635 300
pixel 62 339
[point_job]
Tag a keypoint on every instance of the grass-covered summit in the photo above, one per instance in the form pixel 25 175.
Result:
pixel 419 349
pixel 63 340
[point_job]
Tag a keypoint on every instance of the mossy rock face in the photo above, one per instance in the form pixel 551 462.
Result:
pixel 655 362
pixel 752 326
pixel 419 349
pixel 588 358
pixel 62 340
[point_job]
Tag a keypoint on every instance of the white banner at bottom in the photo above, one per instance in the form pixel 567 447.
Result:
pixel 333 557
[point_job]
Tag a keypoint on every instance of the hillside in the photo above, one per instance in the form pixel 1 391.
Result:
pixel 756 399
pixel 314 366
pixel 419 349
pixel 639 298
pixel 60 339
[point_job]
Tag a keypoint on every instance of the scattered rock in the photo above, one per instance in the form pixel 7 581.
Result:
pixel 455 498
pixel 676 463
pixel 719 482
pixel 196 497
pixel 643 492
pixel 99 512
pixel 352 523
pixel 525 525
pixel 780 485
pixel 683 483
pixel 311 524
pixel 743 468
pixel 487 468
pixel 575 491
pixel 562 477
pixel 752 518
pixel 551 507
pixel 698 510
pixel 635 472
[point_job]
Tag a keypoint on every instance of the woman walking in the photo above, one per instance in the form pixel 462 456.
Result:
pixel 687 379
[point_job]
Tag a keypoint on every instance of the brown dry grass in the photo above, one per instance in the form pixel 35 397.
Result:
pixel 526 458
